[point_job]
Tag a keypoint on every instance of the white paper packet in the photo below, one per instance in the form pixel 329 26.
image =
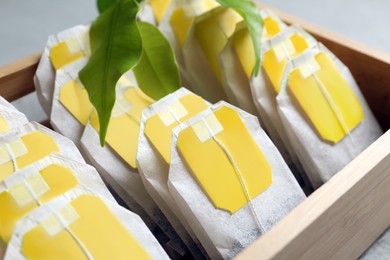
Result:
pixel 165 27
pixel 121 176
pixel 380 249
pixel 153 169
pixel 11 118
pixel 22 146
pixel 65 210
pixel 200 73
pixel 43 181
pixel 264 95
pixel 221 233
pixel 320 158
pixel 7 104
pixel 61 118
pixel 45 75
pixel 236 64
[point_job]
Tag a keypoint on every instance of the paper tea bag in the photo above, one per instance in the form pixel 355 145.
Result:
pixel 71 106
pixel 208 27
pixel 324 114
pixel 5 103
pixel 81 225
pixel 42 181
pixel 237 61
pixel 116 161
pixel 153 11
pixel 278 51
pixel 153 155
pixel 10 118
pixel 61 49
pixel 166 27
pixel 380 249
pixel 20 147
pixel 228 179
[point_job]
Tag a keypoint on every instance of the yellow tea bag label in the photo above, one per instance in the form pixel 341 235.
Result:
pixel 74 97
pixel 275 59
pixel 69 51
pixel 123 129
pixel 183 18
pixel 24 196
pixel 84 227
pixel 38 146
pixel 159 8
pixel 271 27
pixel 221 153
pixel 243 47
pixel 213 33
pixel 3 125
pixel 158 128
pixel 326 98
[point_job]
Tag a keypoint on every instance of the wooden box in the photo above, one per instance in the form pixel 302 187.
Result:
pixel 347 214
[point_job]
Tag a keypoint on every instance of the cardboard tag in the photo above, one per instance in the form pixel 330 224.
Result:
pixel 326 98
pixel 213 151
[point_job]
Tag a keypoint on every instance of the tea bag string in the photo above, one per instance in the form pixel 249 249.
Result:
pixel 239 175
pixel 12 157
pixel 334 107
pixel 74 237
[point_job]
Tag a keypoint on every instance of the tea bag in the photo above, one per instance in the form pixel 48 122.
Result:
pixel 207 29
pixel 166 28
pixel 324 114
pixel 61 49
pixel 153 155
pixel 380 249
pixel 278 51
pixel 40 182
pixel 10 118
pixel 153 11
pixel 4 102
pixel 116 161
pixel 20 147
pixel 228 179
pixel 80 225
pixel 71 107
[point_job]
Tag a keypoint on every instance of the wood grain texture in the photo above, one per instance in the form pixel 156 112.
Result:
pixel 341 219
pixel 16 79
pixel 370 67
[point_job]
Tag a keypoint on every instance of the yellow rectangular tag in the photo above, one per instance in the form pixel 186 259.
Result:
pixel 213 151
pixel 84 217
pixel 326 98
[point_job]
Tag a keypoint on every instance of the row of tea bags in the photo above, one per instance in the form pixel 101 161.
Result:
pixel 165 159
pixel 136 161
pixel 305 97
pixel 55 206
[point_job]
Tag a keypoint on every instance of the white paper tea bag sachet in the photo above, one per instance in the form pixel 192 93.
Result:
pixel 71 107
pixel 237 61
pixel 229 180
pixel 278 51
pixel 202 29
pixel 40 182
pixel 20 147
pixel 60 50
pixel 153 11
pixel 380 249
pixel 7 104
pixel 153 155
pixel 324 114
pixel 79 225
pixel 10 118
pixel 116 161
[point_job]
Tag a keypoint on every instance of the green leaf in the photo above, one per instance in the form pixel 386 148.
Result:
pixel 248 10
pixel 157 72
pixel 102 5
pixel 116 47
